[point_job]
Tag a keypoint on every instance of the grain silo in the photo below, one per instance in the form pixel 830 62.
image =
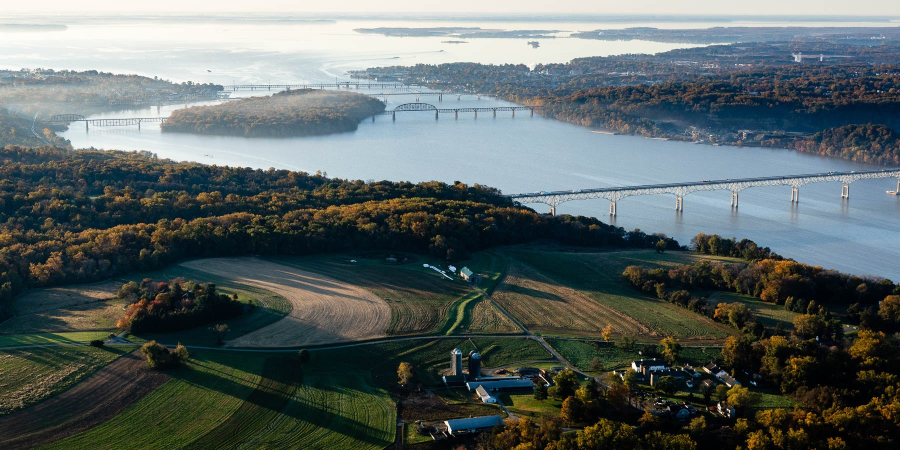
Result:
pixel 456 366
pixel 474 364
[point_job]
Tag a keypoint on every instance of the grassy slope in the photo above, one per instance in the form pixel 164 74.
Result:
pixel 31 375
pixel 75 337
pixel 341 400
pixel 599 276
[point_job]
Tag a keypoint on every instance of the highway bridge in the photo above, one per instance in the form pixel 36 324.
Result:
pixel 123 122
pixel 426 107
pixel 679 190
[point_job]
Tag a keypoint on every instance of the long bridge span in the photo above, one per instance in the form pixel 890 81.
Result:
pixel 427 107
pixel 679 190
pixel 118 122
pixel 339 85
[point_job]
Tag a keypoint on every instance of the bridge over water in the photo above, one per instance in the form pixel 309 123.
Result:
pixel 427 107
pixel 679 190
pixel 344 84
pixel 117 122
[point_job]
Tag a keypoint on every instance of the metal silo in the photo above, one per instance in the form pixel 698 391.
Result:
pixel 474 365
pixel 456 366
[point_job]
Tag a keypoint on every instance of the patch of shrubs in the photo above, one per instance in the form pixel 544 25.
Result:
pixel 175 305
pixel 160 357
pixel 97 343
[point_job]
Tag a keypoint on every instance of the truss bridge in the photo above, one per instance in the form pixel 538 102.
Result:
pixel 116 122
pixel 427 107
pixel 679 190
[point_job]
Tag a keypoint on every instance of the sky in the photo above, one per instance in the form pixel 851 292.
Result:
pixel 691 7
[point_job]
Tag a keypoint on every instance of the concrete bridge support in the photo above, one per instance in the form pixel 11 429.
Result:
pixel 845 191
pixel 456 114
pixel 514 114
pixel 795 195
pixel 552 210
pixel 734 199
pixel 679 203
pixel 476 114
pixel 532 112
pixel 612 208
pixel 441 97
pixel 394 116
pixel 495 113
pixel 435 115
pixel 86 126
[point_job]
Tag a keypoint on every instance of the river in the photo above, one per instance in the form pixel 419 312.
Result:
pixel 521 154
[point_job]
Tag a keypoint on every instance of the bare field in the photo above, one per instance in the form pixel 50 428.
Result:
pixel 323 310
pixel 542 304
pixel 487 319
pixel 38 300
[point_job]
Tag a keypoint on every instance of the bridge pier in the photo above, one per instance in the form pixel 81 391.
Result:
pixel 845 191
pixel 532 112
pixel 86 126
pixel 476 114
pixel 495 113
pixel 734 199
pixel 514 113
pixel 795 195
pixel 441 97
pixel 552 210
pixel 394 116
pixel 612 208
pixel 456 116
pixel 435 115
pixel 458 97
pixel 679 203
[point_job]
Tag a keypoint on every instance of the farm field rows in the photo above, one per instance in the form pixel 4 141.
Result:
pixel 421 300
pixel 98 398
pixel 323 310
pixel 570 293
pixel 33 374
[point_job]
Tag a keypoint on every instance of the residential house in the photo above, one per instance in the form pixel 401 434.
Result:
pixel 712 368
pixel 726 410
pixel 688 369
pixel 644 367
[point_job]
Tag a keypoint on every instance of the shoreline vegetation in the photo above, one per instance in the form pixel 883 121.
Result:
pixel 302 112
pixel 843 103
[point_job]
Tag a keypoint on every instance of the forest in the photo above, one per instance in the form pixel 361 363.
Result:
pixel 302 112
pixel 15 130
pixel 74 217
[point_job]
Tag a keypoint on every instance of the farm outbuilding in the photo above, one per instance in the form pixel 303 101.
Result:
pixel 472 424
pixel 484 395
pixel 501 385
pixel 467 274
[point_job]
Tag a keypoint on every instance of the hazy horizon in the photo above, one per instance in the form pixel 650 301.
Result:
pixel 827 8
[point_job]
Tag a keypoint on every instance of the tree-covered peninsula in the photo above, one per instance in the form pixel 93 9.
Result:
pixel 303 112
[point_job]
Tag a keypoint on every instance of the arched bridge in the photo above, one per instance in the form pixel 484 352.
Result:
pixel 412 107
pixel 679 190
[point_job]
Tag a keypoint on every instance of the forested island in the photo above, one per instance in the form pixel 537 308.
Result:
pixel 303 112
pixel 843 103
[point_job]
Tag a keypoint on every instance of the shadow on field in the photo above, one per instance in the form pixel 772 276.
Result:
pixel 273 396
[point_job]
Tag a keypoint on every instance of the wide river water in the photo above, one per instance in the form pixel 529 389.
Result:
pixel 521 154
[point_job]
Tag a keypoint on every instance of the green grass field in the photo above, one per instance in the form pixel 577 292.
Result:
pixel 75 337
pixel 768 313
pixel 524 405
pixel 598 276
pixel 30 375
pixel 581 353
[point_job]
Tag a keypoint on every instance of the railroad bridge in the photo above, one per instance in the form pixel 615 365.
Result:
pixel 118 122
pixel 679 190
pixel 414 107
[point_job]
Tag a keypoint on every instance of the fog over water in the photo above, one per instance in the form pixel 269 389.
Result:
pixel 521 154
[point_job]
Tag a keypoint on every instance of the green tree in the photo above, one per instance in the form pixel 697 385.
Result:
pixel 607 434
pixel 565 382
pixel 666 385
pixel 572 411
pixel 540 391
pixel 304 356
pixel 738 352
pixel 742 398
pixel 722 393
pixel 631 379
pixel 661 246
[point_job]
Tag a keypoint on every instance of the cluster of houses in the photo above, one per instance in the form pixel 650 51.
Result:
pixel 721 375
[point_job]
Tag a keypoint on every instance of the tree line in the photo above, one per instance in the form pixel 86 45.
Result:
pixel 74 217
pixel 173 306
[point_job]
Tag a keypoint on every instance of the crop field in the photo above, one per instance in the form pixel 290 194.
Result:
pixel 421 300
pixel 485 318
pixel 524 405
pixel 768 313
pixel 581 353
pixel 323 310
pixel 95 400
pixel 30 375
pixel 578 293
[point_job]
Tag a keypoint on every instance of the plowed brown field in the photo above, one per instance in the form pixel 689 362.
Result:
pixel 95 400
pixel 323 310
